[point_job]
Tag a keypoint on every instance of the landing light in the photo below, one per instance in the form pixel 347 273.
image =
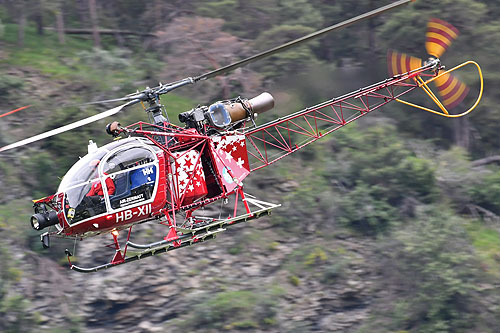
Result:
pixel 43 220
pixel 35 221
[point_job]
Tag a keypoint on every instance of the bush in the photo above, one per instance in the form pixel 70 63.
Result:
pixel 487 193
pixel 233 310
pixel 13 306
pixel 8 83
pixel 334 272
pixel 105 60
pixel 376 157
pixel 416 176
pixel 431 275
pixel 364 210
pixel 456 177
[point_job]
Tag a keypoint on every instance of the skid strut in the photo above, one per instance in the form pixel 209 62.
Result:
pixel 188 237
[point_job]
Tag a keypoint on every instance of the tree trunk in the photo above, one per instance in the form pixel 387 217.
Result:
pixel 461 128
pixel 39 17
pixel 103 32
pixel 371 31
pixel 486 160
pixel 60 26
pixel 83 12
pixel 21 24
pixel 95 25
pixel 158 14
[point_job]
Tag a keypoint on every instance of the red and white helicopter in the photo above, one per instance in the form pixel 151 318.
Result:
pixel 164 173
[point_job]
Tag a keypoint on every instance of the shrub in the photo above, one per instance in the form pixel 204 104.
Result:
pixel 487 193
pixel 294 280
pixel 334 271
pixel 431 273
pixel 8 83
pixel 104 60
pixel 233 310
pixel 363 210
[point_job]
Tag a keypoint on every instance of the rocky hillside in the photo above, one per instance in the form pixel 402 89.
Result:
pixel 388 225
pixel 252 276
pixel 266 275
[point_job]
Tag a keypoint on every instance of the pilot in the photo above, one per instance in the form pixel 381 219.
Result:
pixel 96 189
pixel 93 203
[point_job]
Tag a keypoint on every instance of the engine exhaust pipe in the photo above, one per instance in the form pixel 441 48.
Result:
pixel 259 104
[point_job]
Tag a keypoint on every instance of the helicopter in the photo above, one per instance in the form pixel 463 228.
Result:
pixel 164 173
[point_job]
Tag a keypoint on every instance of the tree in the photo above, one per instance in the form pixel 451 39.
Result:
pixel 431 276
pixel 60 23
pixel 194 45
pixel 295 60
pixel 94 22
pixel 21 22
pixel 38 16
pixel 82 8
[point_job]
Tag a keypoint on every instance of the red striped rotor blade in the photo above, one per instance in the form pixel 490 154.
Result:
pixel 399 63
pixel 451 90
pixel 440 35
pixel 13 111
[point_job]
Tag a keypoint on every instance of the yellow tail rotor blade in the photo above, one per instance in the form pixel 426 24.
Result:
pixel 439 36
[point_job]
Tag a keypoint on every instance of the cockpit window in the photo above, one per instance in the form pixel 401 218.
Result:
pixel 133 170
pixel 81 172
pixel 128 158
pixel 106 175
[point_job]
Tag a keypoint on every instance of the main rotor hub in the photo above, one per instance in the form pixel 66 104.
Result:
pixel 157 113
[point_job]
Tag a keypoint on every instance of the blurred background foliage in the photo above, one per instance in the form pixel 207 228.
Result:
pixel 425 189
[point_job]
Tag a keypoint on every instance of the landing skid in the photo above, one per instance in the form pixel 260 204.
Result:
pixel 185 237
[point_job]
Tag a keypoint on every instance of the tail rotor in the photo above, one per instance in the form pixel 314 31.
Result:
pixel 439 36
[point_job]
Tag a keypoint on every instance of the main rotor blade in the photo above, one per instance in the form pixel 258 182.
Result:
pixel 14 111
pixel 68 127
pixel 301 40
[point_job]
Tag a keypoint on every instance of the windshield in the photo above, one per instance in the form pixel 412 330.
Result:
pixel 116 175
pixel 80 172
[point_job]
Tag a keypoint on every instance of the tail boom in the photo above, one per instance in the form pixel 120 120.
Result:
pixel 270 142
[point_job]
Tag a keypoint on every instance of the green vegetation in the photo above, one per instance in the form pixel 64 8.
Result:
pixel 13 306
pixel 486 241
pixel 43 53
pixel 319 262
pixel 10 221
pixel 436 274
pixel 230 310
pixel 488 194
pixel 407 183
pixel 9 83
